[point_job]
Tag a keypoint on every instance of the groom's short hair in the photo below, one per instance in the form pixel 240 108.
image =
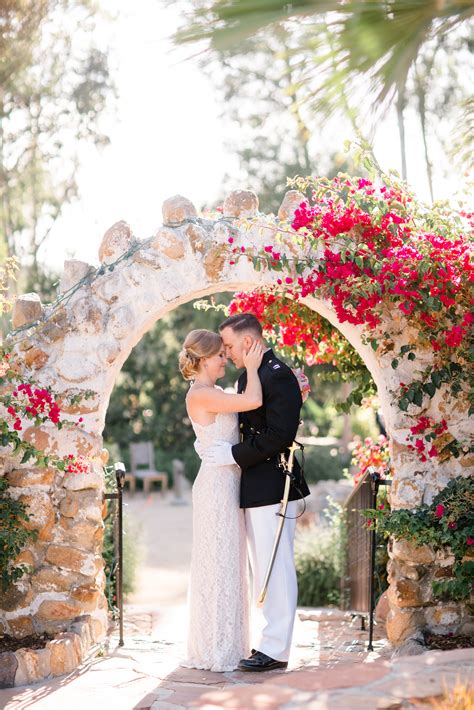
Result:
pixel 242 321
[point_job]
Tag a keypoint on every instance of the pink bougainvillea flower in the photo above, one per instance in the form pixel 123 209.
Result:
pixel 469 540
pixel 439 511
pixel 452 525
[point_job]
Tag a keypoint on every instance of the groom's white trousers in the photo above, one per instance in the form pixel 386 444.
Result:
pixel 274 622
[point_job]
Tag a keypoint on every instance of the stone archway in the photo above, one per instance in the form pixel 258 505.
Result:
pixel 81 342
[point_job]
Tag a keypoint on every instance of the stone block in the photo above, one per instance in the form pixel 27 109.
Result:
pixel 87 595
pixel 63 656
pixel 197 237
pixel 120 322
pixel 98 626
pixel 33 665
pixel 411 647
pixel 405 593
pixel 26 557
pixel 24 478
pixel 56 610
pixel 117 240
pixel 69 507
pixel 21 626
pixel 83 481
pixel 169 243
pixel 8 668
pixel 42 515
pixel 214 261
pixel 82 629
pixel 406 493
pixel 38 438
pixel 73 272
pixel 84 406
pixel 27 309
pixel 291 201
pixel 412 554
pixel 53 579
pixel 35 358
pixel 17 596
pixel 76 641
pixel 443 618
pixel 84 534
pixel 240 203
pixel 177 209
pixel 76 366
pixel 87 316
pixel 71 559
pixel 402 624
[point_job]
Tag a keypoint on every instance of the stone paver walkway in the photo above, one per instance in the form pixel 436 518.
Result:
pixel 330 669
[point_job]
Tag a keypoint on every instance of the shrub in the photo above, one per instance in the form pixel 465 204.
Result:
pixel 446 525
pixel 321 464
pixel 319 560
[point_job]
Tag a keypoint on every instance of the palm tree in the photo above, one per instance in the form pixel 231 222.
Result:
pixel 376 41
pixel 379 37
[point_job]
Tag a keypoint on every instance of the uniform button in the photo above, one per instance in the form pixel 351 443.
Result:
pixel 270 361
pixel 241 426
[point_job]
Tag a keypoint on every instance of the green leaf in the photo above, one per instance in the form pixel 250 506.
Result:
pixel 394 363
pixel 411 356
pixel 403 404
pixel 429 388
pixel 436 379
pixel 418 398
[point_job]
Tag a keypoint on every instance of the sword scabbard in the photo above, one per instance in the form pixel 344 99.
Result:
pixel 283 507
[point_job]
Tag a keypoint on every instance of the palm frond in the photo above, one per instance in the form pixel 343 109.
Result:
pixel 377 38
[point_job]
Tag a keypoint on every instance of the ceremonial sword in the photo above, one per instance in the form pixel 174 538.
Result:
pixel 282 514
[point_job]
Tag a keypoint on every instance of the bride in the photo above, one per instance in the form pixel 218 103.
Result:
pixel 218 634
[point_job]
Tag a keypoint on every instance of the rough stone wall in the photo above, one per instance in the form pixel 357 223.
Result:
pixel 82 342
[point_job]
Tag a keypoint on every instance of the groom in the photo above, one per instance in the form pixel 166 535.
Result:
pixel 265 434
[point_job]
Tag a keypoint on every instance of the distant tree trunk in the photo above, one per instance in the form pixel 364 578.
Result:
pixel 401 129
pixel 421 96
pixel 426 64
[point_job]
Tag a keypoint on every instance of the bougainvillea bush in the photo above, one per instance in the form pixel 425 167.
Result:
pixel 370 454
pixel 373 251
pixel 21 401
pixel 447 524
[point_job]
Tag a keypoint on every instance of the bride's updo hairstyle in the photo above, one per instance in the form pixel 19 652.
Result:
pixel 198 344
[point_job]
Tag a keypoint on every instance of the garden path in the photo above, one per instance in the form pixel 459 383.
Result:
pixel 330 668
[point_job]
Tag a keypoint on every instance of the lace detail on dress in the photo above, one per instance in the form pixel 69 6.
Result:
pixel 218 598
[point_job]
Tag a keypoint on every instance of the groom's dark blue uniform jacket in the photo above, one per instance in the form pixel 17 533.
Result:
pixel 265 433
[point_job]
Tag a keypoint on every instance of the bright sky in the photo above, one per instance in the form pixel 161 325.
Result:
pixel 166 138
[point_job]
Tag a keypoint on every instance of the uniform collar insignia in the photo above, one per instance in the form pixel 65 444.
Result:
pixel 269 355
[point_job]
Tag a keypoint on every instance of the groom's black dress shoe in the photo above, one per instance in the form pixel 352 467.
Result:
pixel 259 662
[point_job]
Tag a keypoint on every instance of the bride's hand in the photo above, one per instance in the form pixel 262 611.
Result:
pixel 253 357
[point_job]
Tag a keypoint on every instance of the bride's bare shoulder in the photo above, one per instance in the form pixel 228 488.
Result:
pixel 196 394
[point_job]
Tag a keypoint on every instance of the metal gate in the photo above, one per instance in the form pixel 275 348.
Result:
pixel 116 571
pixel 358 580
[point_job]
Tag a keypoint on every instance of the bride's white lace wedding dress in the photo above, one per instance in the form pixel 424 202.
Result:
pixel 218 599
